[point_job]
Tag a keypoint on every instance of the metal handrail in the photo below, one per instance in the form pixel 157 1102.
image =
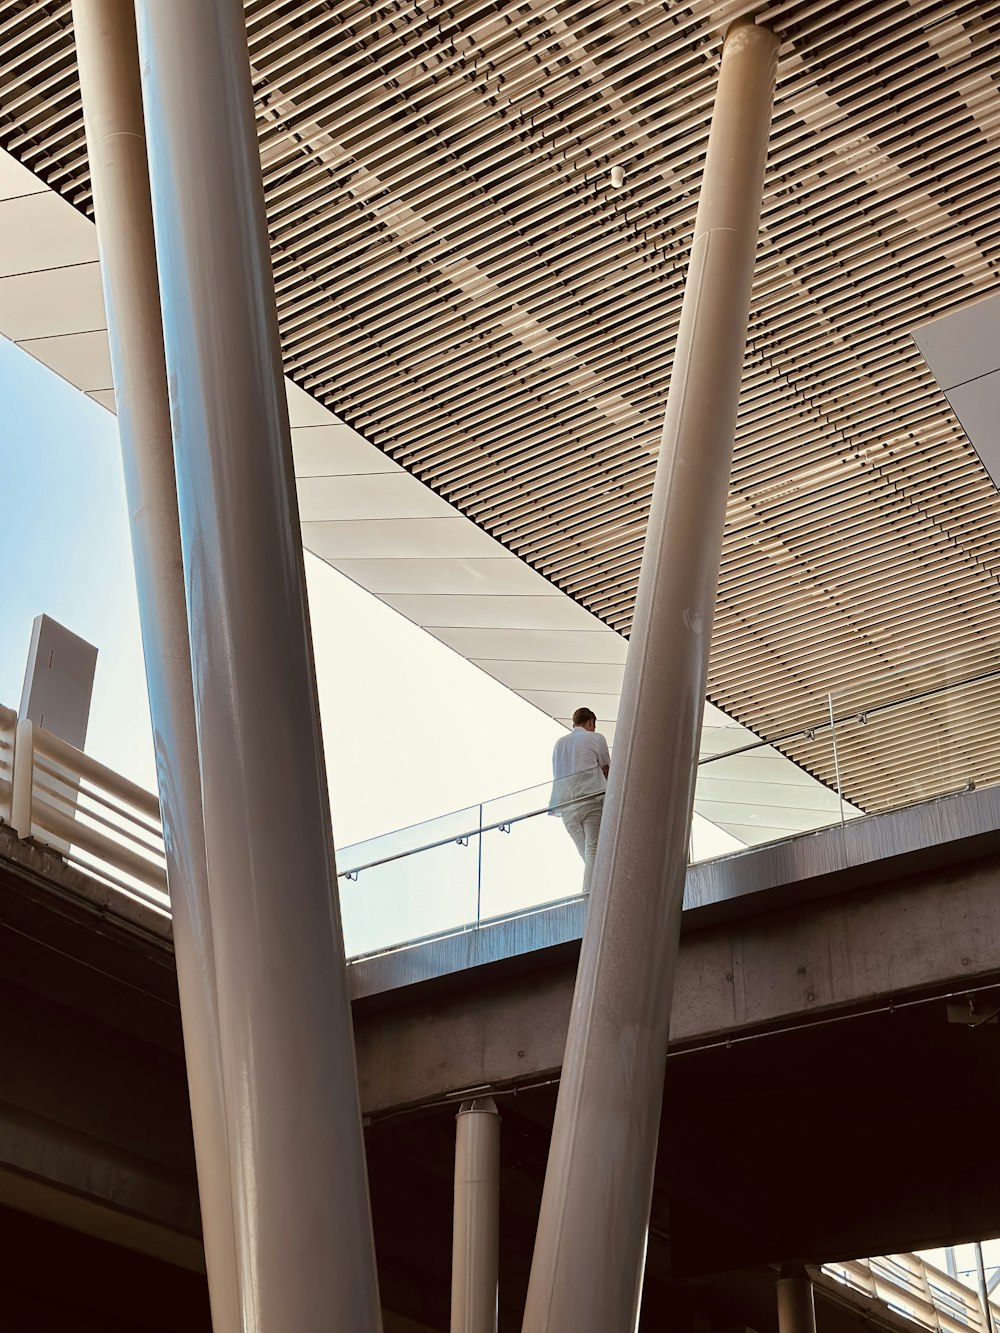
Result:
pixel 85 766
pixel 8 731
pixel 832 722
pixel 463 836
pixel 47 773
pixel 27 802
pixel 53 787
pixel 145 824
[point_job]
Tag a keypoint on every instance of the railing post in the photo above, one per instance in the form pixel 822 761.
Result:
pixel 836 755
pixel 479 870
pixel 23 778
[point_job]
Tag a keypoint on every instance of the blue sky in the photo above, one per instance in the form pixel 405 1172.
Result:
pixel 64 545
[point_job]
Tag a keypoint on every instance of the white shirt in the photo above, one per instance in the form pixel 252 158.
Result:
pixel 578 762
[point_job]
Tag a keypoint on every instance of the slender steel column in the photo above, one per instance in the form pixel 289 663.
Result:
pixel 587 1268
pixel 796 1306
pixel 108 59
pixel 475 1250
pixel 296 1150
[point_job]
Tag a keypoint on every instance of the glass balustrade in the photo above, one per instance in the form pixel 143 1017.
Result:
pixel 846 753
pixel 412 882
pixel 501 858
pixel 529 859
pixel 922 731
pixel 926 730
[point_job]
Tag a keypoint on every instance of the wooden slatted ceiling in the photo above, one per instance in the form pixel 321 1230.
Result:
pixel 458 280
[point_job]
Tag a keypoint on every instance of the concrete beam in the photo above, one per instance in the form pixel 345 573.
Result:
pixel 922 935
pixel 92 1033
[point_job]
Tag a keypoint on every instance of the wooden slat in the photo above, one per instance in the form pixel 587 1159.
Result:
pixel 457 280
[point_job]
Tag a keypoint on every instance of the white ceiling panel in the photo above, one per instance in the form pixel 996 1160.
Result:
pixel 82 358
pixel 599 677
pixel 334 450
pixel 977 406
pixel 459 612
pixel 52 302
pixel 304 410
pixel 377 523
pixel 963 344
pixel 724 740
pixel 527 645
pixel 742 819
pixel 770 795
pixel 763 765
pixel 563 703
pixel 106 398
pixel 42 231
pixel 394 539
pixel 376 495
pixel 503 576
pixel 606 727
pixel 750 835
pixel 16 180
pixel 715 717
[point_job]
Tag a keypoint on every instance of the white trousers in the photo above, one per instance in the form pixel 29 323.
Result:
pixel 583 824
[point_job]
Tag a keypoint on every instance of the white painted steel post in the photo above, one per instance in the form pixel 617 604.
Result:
pixel 303 1221
pixel 108 60
pixel 475 1250
pixel 586 1274
pixel 796 1303
pixel 22 778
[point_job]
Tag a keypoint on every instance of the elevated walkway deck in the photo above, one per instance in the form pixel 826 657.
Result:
pixel 813 1060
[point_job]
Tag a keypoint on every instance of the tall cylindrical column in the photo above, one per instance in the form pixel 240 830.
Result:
pixel 296 1150
pixel 796 1305
pixel 108 59
pixel 475 1253
pixel 984 1290
pixel 587 1268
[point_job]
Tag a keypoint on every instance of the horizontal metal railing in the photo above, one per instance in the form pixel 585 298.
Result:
pixel 747 790
pixel 349 867
pixel 926 1295
pixel 8 733
pixel 84 811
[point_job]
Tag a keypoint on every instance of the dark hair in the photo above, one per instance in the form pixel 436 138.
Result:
pixel 582 716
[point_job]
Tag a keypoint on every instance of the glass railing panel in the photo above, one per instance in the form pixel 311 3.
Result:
pixel 518 804
pixel 529 858
pixel 885 743
pixel 929 730
pixel 414 838
pixel 758 795
pixel 428 892
pixel 527 864
pixel 721 735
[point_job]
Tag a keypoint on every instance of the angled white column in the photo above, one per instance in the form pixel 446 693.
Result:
pixel 300 1196
pixel 475 1250
pixel 108 59
pixel 586 1275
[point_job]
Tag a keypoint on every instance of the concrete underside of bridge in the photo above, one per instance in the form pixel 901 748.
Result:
pixel 821 1104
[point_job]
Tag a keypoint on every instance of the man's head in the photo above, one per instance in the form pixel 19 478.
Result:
pixel 584 718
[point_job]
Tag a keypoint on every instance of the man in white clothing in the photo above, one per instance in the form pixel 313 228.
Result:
pixel 580 763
